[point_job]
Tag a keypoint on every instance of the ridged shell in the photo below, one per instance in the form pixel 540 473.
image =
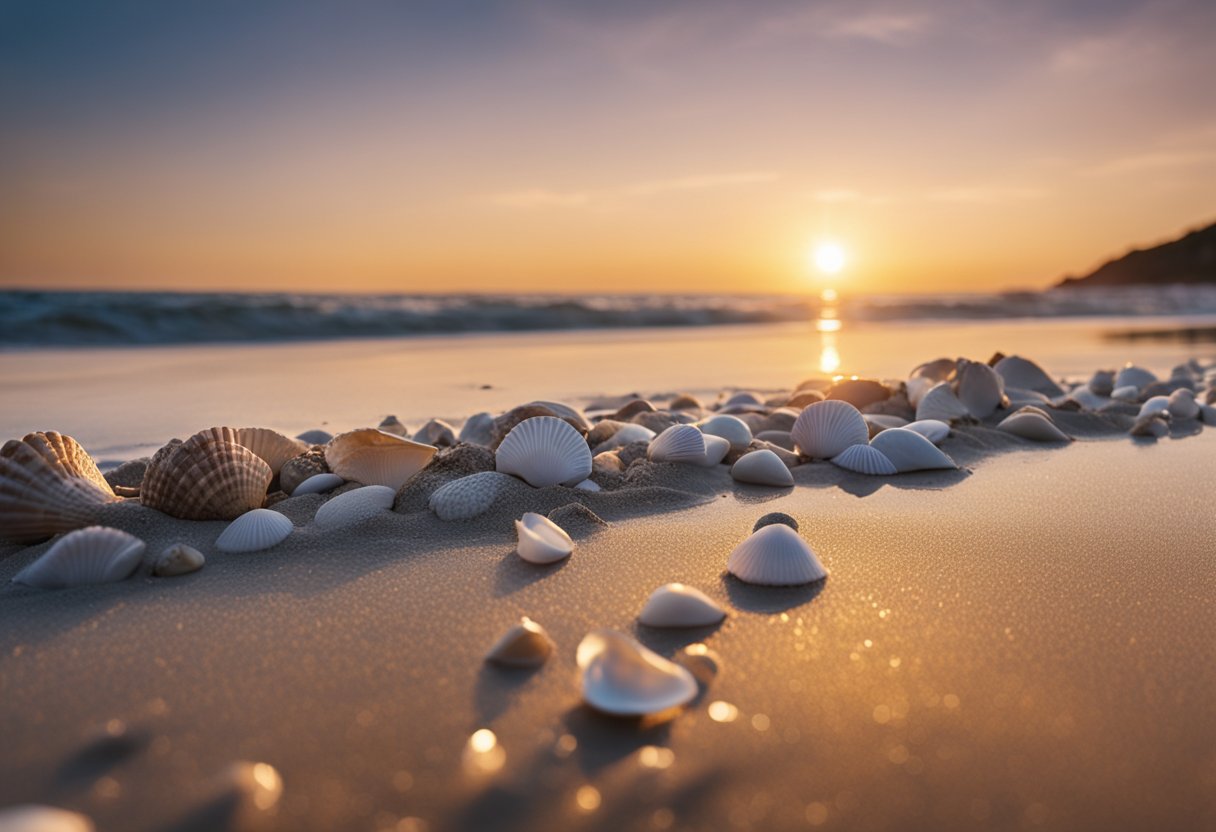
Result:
pixel 623 678
pixel 254 531
pixel 864 459
pixel 178 559
pixel 541 540
pixel 318 484
pixel 716 449
pixel 826 428
pixel 1102 382
pixel 1033 426
pixel 37 499
pixel 544 451
pixel 940 404
pixel 1156 406
pixel 270 446
pixel 67 456
pixel 679 443
pixel 468 497
pixel 94 555
pixel 524 645
pixel 731 428
pixel 909 451
pixel 979 388
pixel 775 555
pixel 374 457
pixel 1182 405
pixel 762 468
pixel 1133 376
pixel 932 429
pixel 355 506
pixel 1016 371
pixel 210 476
pixel 677 605
pixel 34 818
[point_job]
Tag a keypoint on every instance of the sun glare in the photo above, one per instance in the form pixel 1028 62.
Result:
pixel 829 258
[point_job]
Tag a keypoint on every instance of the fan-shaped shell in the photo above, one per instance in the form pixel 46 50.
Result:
pixel 1037 427
pixel 775 555
pixel 468 497
pixel 677 605
pixel 210 476
pixel 270 446
pixel 67 456
pixel 940 404
pixel 1157 405
pixel 716 449
pixel 1016 371
pixel 909 451
pixel 254 531
pixel 34 818
pixel 623 678
pixel 762 467
pixel 318 484
pixel 544 451
pixel 355 506
pixel 178 559
pixel 932 429
pixel 826 428
pixel 93 555
pixel 1182 405
pixel 679 443
pixel 864 459
pixel 1133 376
pixel 374 457
pixel 541 540
pixel 1102 382
pixel 731 428
pixel 524 645
pixel 38 498
pixel 979 388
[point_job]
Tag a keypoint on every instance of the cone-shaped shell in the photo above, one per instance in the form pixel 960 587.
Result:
pixel 679 443
pixel 677 605
pixel 374 457
pixel 34 818
pixel 38 498
pixel 716 449
pixel 909 451
pixel 979 388
pixel 355 506
pixel 254 531
pixel 541 540
pixel 1016 371
pixel 210 476
pixel 468 497
pixel 524 645
pixel 731 428
pixel 623 678
pixel 270 446
pixel 94 555
pixel 1133 376
pixel 865 459
pixel 762 467
pixel 826 428
pixel 1034 426
pixel 544 451
pixel 775 555
pixel 67 457
pixel 1182 405
pixel 940 404
pixel 932 429
pixel 318 484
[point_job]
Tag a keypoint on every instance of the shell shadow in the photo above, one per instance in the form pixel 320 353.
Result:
pixel 513 573
pixel 770 599
pixel 667 640
pixel 862 486
pixel 604 740
pixel 99 756
pixel 757 494
pixel 498 687
pixel 1181 428
pixel 222 811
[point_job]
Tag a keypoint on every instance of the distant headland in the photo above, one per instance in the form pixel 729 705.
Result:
pixel 1190 259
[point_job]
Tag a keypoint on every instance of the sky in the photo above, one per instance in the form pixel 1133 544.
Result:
pixel 540 146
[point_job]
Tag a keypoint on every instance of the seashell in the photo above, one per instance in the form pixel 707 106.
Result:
pixel 940 404
pixel 254 531
pixel 623 678
pixel 524 645
pixel 178 559
pixel 40 498
pixel 307 464
pixel 1088 399
pixel 927 376
pixel 1133 376
pixel 1208 414
pixel 745 398
pixel 478 429
pixel 979 388
pixel 1153 425
pixel 775 555
pixel 909 451
pixel 541 540
pixel 1157 405
pixel 677 605
pixel 468 497
pixel 878 422
pixel 210 476
pixel 731 428
pixel 932 429
pixel 566 413
pixel 374 457
pixel 802 398
pixel 775 517
pixel 34 818
pixel 1127 393
pixel 685 401
pixel 1020 372
pixel 436 432
pixel 315 437
pixel 355 506
pixel 1033 425
pixel 391 424
pixel 1102 382
pixel 1182 405
pixel 826 428
pixel 270 446
pixel 716 449
pixel 588 485
pixel 762 468
pixel 318 484
pixel 93 555
pixel 859 392
pixel 624 435
pixel 544 451
pixel 67 457
pixel 865 459
pixel 679 443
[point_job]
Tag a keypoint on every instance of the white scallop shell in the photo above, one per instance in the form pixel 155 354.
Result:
pixel 1133 376
pixel 31 817
pixel 468 497
pixel 524 645
pixel 1156 406
pixel 909 451
pixel 865 459
pixel 940 404
pixel 1102 382
pixel 934 430
pixel 254 531
pixel 1032 425
pixel 679 443
pixel 716 449
pixel 775 556
pixel 374 457
pixel 980 389
pixel 1126 393
pixel 762 467
pixel 355 506
pixel 731 428
pixel 623 678
pixel 178 559
pixel 1182 405
pixel 92 555
pixel 677 605
pixel 318 484
pixel 544 451
pixel 541 540
pixel 824 429
pixel 1024 373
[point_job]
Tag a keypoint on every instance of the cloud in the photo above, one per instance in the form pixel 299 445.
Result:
pixel 847 196
pixel 984 195
pixel 1152 160
pixel 544 198
pixel 884 27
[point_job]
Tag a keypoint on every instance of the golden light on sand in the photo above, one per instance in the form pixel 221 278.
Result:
pixel 829 257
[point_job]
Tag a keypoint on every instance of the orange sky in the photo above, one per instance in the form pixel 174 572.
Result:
pixel 679 147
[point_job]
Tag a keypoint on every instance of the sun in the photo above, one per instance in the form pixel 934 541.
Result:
pixel 829 258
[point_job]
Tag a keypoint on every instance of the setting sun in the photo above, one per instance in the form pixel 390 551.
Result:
pixel 829 258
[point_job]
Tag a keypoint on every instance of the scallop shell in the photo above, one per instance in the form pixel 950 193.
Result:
pixel 374 457
pixel 210 476
pixel 34 818
pixel 1182 405
pixel 932 429
pixel 1035 426
pixel 544 451
pixel 762 468
pixel 979 388
pixel 318 484
pixel 178 559
pixel 1016 371
pixel 826 428
pixel 1156 406
pixel 909 451
pixel 679 443
pixel 355 506
pixel 67 456
pixel 541 540
pixel 731 428
pixel 468 497
pixel 623 678
pixel 1126 393
pixel 1133 376
pixel 677 605
pixel 39 499
pixel 716 449
pixel 940 404
pixel 865 459
pixel 254 531
pixel 524 645
pixel 270 446
pixel 93 555
pixel 775 555
pixel 1102 382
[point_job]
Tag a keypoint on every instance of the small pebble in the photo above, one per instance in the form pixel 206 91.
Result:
pixel 775 517
pixel 178 559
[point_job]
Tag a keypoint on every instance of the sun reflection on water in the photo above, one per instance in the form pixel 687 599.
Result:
pixel 827 326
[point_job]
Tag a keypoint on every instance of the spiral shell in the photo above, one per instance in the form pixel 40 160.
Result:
pixel 374 457
pixel 210 476
pixel 40 495
pixel 544 451
pixel 775 555
pixel 93 555
pixel 826 428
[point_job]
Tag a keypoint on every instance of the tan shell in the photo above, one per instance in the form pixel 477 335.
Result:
pixel 270 446
pixel 300 468
pixel 210 476
pixel 40 493
pixel 374 457
pixel 67 456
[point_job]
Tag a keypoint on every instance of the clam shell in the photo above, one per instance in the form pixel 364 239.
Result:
pixel 932 429
pixel 210 476
pixel 731 428
pixel 677 605
pixel 374 457
pixel 468 497
pixel 716 449
pixel 391 424
pixel 1156 406
pixel 1182 405
pixel 826 428
pixel 541 540
pixel 318 484
pixel 34 818
pixel 254 531
pixel 775 555
pixel 1035 426
pixel 909 451
pixel 93 555
pixel 270 446
pixel 979 388
pixel 762 468
pixel 67 456
pixel 178 559
pixel 1016 371
pixel 1102 382
pixel 865 459
pixel 39 499
pixel 524 645
pixel 544 451
pixel 355 506
pixel 679 443
pixel 1133 376
pixel 941 405
pixel 623 678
